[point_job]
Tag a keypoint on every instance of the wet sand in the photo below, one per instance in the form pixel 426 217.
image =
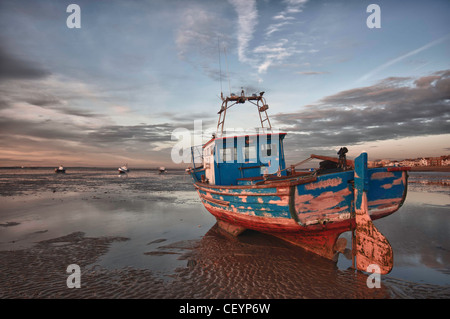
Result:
pixel 148 236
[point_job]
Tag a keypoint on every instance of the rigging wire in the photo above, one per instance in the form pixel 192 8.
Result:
pixel 228 73
pixel 220 67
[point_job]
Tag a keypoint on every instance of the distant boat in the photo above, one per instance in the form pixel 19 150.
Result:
pixel 162 169
pixel 124 169
pixel 60 169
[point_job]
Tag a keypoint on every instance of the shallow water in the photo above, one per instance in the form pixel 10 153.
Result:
pixel 152 230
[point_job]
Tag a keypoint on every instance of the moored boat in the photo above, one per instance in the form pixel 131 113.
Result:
pixel 244 182
pixel 123 169
pixel 162 170
pixel 60 169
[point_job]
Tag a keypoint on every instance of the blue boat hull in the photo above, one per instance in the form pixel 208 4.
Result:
pixel 307 210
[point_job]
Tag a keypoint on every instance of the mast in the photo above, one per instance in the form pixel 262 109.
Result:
pixel 233 99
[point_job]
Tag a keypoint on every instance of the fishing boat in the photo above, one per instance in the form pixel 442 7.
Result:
pixel 60 169
pixel 244 182
pixel 162 170
pixel 123 169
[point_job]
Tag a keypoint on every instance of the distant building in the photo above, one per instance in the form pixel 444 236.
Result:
pixel 445 160
pixel 423 162
pixel 434 161
pixel 408 162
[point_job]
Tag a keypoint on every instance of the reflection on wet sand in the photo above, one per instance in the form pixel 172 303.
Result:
pixel 256 266
pixel 216 266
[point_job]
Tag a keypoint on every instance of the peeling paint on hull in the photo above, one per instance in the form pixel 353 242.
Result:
pixel 310 214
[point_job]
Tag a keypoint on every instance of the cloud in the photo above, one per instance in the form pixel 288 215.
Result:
pixel 197 32
pixel 39 123
pixel 402 57
pixel 273 54
pixel 40 142
pixel 391 109
pixel 291 7
pixel 270 52
pixel 203 31
pixel 312 72
pixel 45 129
pixel 12 67
pixel 200 35
pixel 282 17
pixel 276 27
pixel 107 136
pixel 247 21
pixel 48 97
pixel 294 6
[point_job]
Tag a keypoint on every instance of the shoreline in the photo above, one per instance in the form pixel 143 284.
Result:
pixel 430 169
pixel 413 168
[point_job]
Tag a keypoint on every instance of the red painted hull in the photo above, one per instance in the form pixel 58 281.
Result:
pixel 311 213
pixel 319 239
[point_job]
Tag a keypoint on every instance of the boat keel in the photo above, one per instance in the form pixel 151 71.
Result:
pixel 229 228
pixel 324 244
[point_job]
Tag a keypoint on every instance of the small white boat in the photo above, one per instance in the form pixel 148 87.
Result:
pixel 162 169
pixel 60 169
pixel 124 169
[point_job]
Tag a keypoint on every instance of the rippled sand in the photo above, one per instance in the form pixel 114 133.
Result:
pixel 217 266
pixel 150 238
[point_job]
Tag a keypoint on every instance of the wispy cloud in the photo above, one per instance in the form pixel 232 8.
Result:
pixel 277 26
pixel 273 53
pixel 247 21
pixel 402 57
pixel 200 34
pixel 312 72
pixel 291 7
pixel 294 6
pixel 276 52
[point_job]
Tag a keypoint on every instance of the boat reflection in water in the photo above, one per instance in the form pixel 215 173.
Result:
pixel 244 182
pixel 256 265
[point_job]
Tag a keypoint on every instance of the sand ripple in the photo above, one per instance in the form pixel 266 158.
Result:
pixel 217 266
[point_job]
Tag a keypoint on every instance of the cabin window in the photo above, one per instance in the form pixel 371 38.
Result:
pixel 225 154
pixel 228 154
pixel 249 152
pixel 268 150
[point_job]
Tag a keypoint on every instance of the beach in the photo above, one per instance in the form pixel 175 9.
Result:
pixel 147 235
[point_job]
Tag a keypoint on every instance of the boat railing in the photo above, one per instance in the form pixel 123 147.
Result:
pixel 197 156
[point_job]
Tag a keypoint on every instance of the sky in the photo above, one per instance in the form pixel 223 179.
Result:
pixel 114 90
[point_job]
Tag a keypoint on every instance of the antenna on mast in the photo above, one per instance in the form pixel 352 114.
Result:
pixel 228 74
pixel 220 69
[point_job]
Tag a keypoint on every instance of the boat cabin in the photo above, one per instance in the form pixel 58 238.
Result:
pixel 235 160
